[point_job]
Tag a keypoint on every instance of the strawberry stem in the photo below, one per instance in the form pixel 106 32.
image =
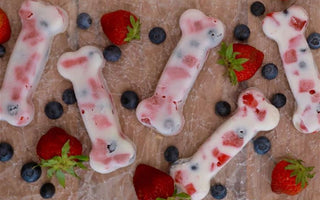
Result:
pixel 64 163
pixel 301 172
pixel 134 32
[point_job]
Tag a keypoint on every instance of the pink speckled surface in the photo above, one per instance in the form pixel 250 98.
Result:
pixel 247 176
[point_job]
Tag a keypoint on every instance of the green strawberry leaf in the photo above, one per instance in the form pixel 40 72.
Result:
pixel 64 163
pixel 134 32
pixel 61 178
pixel 228 59
pixel 50 172
pixel 299 171
pixel 65 150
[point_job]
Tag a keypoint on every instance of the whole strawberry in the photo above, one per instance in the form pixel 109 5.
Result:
pixel 120 26
pixel 153 184
pixel 290 177
pixel 5 29
pixel 242 61
pixel 61 153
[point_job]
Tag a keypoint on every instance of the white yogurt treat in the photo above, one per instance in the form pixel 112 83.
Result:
pixel 40 23
pixel 287 29
pixel 111 149
pixel 164 110
pixel 254 114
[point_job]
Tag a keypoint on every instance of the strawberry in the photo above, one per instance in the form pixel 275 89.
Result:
pixel 60 152
pixel 153 184
pixel 5 30
pixel 242 61
pixel 290 177
pixel 120 26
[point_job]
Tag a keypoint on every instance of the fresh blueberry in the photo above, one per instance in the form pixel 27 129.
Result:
pixel 171 154
pixel 218 191
pixel 241 32
pixel 47 190
pixel 30 172
pixel 129 100
pixel 157 35
pixel 269 71
pixel 84 21
pixel 314 40
pixel 69 97
pixel 2 50
pixel 6 151
pixel 223 108
pixel 278 100
pixel 257 8
pixel 112 53
pixel 53 110
pixel 261 145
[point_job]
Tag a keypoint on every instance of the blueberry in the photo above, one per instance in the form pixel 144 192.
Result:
pixel 223 108
pixel 2 50
pixel 269 71
pixel 69 97
pixel 84 21
pixel 30 172
pixel 257 8
pixel 261 145
pixel 241 32
pixel 171 154
pixel 314 40
pixel 129 100
pixel 278 100
pixel 157 35
pixel 53 110
pixel 218 191
pixel 112 53
pixel 6 151
pixel 47 190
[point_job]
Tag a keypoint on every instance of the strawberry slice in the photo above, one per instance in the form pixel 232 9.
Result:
pixel 242 61
pixel 120 26
pixel 60 152
pixel 153 184
pixel 5 29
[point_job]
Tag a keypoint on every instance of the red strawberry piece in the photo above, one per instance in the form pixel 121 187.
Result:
pixel 290 177
pixel 51 143
pixel 61 153
pixel 242 61
pixel 151 183
pixel 120 26
pixel 5 29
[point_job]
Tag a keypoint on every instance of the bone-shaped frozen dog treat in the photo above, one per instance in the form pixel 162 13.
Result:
pixel 287 29
pixel 164 110
pixel 40 23
pixel 254 114
pixel 110 147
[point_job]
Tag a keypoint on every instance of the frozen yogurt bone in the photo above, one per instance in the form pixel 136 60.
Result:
pixel 164 110
pixel 287 29
pixel 254 114
pixel 110 147
pixel 40 23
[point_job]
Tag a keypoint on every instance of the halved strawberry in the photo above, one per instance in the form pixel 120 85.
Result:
pixel 242 61
pixel 120 26
pixel 60 152
pixel 153 184
pixel 5 29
